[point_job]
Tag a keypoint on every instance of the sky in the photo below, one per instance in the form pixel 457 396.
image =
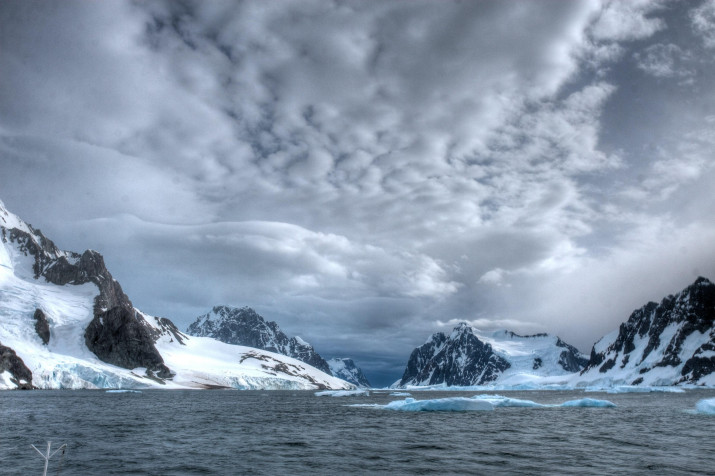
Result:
pixel 368 173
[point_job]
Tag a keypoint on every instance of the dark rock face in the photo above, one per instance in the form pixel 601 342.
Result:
pixel 119 337
pixel 246 327
pixel 347 370
pixel 690 311
pixel 570 359
pixel 460 359
pixel 10 362
pixel 115 334
pixel 42 327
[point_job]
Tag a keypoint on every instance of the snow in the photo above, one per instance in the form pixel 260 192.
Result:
pixel 343 393
pixel 706 406
pixel 66 363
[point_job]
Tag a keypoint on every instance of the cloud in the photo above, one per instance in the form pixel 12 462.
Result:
pixel 661 61
pixel 357 171
pixel 703 22
pixel 627 21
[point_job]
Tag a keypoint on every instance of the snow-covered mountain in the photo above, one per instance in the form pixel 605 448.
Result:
pixel 244 326
pixel 347 370
pixel 66 323
pixel 467 357
pixel 661 344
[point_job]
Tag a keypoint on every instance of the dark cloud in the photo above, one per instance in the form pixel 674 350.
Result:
pixel 366 173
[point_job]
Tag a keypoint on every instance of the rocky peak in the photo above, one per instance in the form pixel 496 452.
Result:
pixel 460 359
pixel 244 326
pixel 116 334
pixel 654 336
pixel 347 370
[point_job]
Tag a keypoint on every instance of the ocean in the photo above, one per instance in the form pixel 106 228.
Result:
pixel 225 432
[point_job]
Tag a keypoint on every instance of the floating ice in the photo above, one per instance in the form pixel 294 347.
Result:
pixel 588 402
pixel 343 393
pixel 499 401
pixel 706 406
pixel 122 391
pixel 634 389
pixel 454 404
pixel 400 394
pixel 480 402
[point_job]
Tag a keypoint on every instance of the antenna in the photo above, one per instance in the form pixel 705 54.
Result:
pixel 48 455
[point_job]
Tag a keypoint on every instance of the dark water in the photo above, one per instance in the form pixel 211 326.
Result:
pixel 240 432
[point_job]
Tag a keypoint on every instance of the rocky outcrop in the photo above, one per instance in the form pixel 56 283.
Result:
pixel 466 358
pixel 120 337
pixel 116 334
pixel 677 334
pixel 244 326
pixel 20 375
pixel 42 327
pixel 460 359
pixel 348 371
pixel 571 360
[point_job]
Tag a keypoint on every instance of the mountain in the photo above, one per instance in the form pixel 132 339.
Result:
pixel 66 323
pixel 244 326
pixel 347 370
pixel 466 357
pixel 661 344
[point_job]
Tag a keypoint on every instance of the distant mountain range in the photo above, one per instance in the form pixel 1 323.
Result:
pixel 244 326
pixel 466 357
pixel 66 323
pixel 670 343
pixel 661 344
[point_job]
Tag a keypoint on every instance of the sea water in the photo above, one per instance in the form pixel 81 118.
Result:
pixel 261 432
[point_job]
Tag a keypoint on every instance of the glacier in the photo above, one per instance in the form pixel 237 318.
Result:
pixel 65 361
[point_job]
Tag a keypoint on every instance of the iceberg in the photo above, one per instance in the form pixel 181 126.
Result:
pixel 400 394
pixel 123 391
pixel 480 402
pixel 454 404
pixel 343 393
pixel 706 406
pixel 588 402
pixel 634 389
pixel 499 401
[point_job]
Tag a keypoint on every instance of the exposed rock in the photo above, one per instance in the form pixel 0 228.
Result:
pixel 348 371
pixel 115 334
pixel 571 359
pixel 10 362
pixel 244 326
pixel 42 327
pixel 654 336
pixel 459 359
pixel 118 336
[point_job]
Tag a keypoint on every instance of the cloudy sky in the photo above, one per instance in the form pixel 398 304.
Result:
pixel 367 173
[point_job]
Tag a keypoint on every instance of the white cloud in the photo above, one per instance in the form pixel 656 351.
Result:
pixel 662 61
pixel 703 22
pixel 627 21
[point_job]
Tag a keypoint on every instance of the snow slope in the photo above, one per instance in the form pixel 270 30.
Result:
pixel 468 357
pixel 66 362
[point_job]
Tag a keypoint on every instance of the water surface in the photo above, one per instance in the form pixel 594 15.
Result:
pixel 258 432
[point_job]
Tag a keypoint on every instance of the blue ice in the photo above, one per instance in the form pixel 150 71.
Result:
pixel 706 406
